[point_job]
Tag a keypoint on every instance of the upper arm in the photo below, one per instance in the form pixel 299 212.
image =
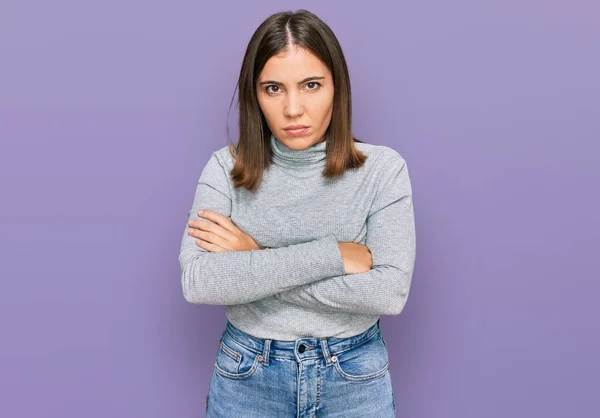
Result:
pixel 394 183
pixel 390 223
pixel 213 193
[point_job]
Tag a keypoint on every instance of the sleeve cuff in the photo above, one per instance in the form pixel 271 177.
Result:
pixel 329 251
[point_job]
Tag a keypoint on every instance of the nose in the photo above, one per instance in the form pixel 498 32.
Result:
pixel 293 106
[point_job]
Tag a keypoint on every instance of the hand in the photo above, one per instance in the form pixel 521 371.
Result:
pixel 357 257
pixel 220 235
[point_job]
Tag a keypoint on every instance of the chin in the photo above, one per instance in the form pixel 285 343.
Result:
pixel 300 143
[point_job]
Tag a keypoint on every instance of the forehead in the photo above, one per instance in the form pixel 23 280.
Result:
pixel 293 65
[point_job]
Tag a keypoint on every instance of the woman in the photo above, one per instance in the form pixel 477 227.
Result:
pixel 307 236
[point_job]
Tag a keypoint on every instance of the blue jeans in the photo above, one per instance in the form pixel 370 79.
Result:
pixel 309 377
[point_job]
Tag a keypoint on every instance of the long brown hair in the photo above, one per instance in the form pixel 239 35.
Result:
pixel 253 151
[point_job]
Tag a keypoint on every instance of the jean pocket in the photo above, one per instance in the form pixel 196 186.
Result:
pixel 234 360
pixel 365 362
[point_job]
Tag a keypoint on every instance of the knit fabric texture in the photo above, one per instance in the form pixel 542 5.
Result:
pixel 299 288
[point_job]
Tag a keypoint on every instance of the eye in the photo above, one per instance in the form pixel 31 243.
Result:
pixel 272 93
pixel 270 85
pixel 314 82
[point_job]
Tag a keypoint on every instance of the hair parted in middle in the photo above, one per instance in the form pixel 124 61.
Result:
pixel 277 34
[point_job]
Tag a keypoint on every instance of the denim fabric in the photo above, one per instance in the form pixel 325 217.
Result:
pixel 309 377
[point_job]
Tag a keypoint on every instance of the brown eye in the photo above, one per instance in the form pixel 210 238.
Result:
pixel 314 82
pixel 267 88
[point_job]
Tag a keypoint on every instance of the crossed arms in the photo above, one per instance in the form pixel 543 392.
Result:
pixel 309 274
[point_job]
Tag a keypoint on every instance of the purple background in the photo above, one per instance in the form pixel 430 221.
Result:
pixel 109 111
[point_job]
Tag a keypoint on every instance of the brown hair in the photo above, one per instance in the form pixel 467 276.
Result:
pixel 253 151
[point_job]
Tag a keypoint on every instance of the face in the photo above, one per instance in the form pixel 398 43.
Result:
pixel 296 88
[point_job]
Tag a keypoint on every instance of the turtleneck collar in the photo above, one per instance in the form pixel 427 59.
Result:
pixel 289 157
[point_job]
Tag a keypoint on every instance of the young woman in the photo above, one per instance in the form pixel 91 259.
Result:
pixel 306 234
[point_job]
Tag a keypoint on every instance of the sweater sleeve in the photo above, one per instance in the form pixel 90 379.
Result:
pixel 384 289
pixel 234 277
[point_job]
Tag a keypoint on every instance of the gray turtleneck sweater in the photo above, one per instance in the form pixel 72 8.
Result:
pixel 299 286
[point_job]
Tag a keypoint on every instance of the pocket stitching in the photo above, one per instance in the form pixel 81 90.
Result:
pixel 362 378
pixel 238 376
pixel 234 354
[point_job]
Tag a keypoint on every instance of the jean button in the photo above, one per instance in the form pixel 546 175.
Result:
pixel 301 348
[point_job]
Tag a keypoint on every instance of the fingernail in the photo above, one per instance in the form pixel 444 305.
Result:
pixel 200 212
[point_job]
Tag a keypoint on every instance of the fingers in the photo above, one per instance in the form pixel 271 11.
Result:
pixel 212 227
pixel 209 238
pixel 217 218
pixel 213 248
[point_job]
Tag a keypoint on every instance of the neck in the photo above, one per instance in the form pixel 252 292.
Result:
pixel 289 157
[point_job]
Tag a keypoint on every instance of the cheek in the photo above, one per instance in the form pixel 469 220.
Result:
pixel 324 101
pixel 322 109
pixel 268 109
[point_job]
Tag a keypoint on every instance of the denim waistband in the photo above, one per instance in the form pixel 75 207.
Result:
pixel 312 346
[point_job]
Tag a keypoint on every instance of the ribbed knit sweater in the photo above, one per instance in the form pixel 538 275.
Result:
pixel 299 287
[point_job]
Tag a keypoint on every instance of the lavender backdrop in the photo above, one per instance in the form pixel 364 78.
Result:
pixel 109 110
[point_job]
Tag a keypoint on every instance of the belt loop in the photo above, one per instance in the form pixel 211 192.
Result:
pixel 325 348
pixel 266 349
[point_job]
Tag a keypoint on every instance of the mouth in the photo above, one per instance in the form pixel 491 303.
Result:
pixel 296 130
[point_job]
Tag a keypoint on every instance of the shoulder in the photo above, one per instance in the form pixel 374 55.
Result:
pixel 380 156
pixel 219 162
pixel 217 167
pixel 224 157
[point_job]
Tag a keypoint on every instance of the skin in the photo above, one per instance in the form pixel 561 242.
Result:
pixel 285 98
pixel 294 88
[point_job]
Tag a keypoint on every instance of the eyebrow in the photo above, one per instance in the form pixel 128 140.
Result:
pixel 300 82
